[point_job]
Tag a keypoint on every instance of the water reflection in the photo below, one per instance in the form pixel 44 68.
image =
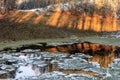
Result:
pixel 80 58
pixel 103 60
pixel 103 54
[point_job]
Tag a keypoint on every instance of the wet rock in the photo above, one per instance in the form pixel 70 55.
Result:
pixel 25 71
pixel 23 58
pixel 116 64
pixel 10 62
pixel 38 62
pixel 15 54
pixel 96 70
pixel 42 65
pixel 15 65
pixel 10 72
pixel 80 76
pixel 43 68
pixel 60 55
pixel 114 71
pixel 7 67
pixel 95 64
pixel 73 64
pixel 7 56
pixel 3 74
pixel 61 76
pixel 32 56
pixel 28 51
pixel 116 61
pixel 54 65
pixel 47 54
pixel 1 55
pixel 54 62
pixel 2 61
pixel 22 64
pixel 44 62
pixel 99 75
pixel 82 55
pixel 51 75
pixel 3 67
pixel 47 60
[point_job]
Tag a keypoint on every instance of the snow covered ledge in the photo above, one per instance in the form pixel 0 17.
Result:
pixel 36 10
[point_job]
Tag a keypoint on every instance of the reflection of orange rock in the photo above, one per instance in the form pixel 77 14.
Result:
pixel 86 46
pixel 94 47
pixel 102 54
pixel 97 48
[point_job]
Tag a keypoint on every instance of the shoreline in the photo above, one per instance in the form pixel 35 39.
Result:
pixel 99 40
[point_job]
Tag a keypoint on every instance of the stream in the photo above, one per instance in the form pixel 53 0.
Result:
pixel 61 61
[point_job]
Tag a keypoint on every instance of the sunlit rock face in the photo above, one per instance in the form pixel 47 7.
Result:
pixel 67 20
pixel 74 19
pixel 82 22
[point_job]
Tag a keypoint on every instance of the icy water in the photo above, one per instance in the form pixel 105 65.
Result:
pixel 62 61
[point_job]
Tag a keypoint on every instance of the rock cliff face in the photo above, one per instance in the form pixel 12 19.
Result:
pixel 18 25
pixel 81 22
pixel 68 20
pixel 75 17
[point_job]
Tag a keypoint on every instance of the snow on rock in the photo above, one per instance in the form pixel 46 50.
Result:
pixel 25 71
pixel 23 58
pixel 116 61
pixel 73 64
pixel 37 10
pixel 30 50
pixel 95 64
